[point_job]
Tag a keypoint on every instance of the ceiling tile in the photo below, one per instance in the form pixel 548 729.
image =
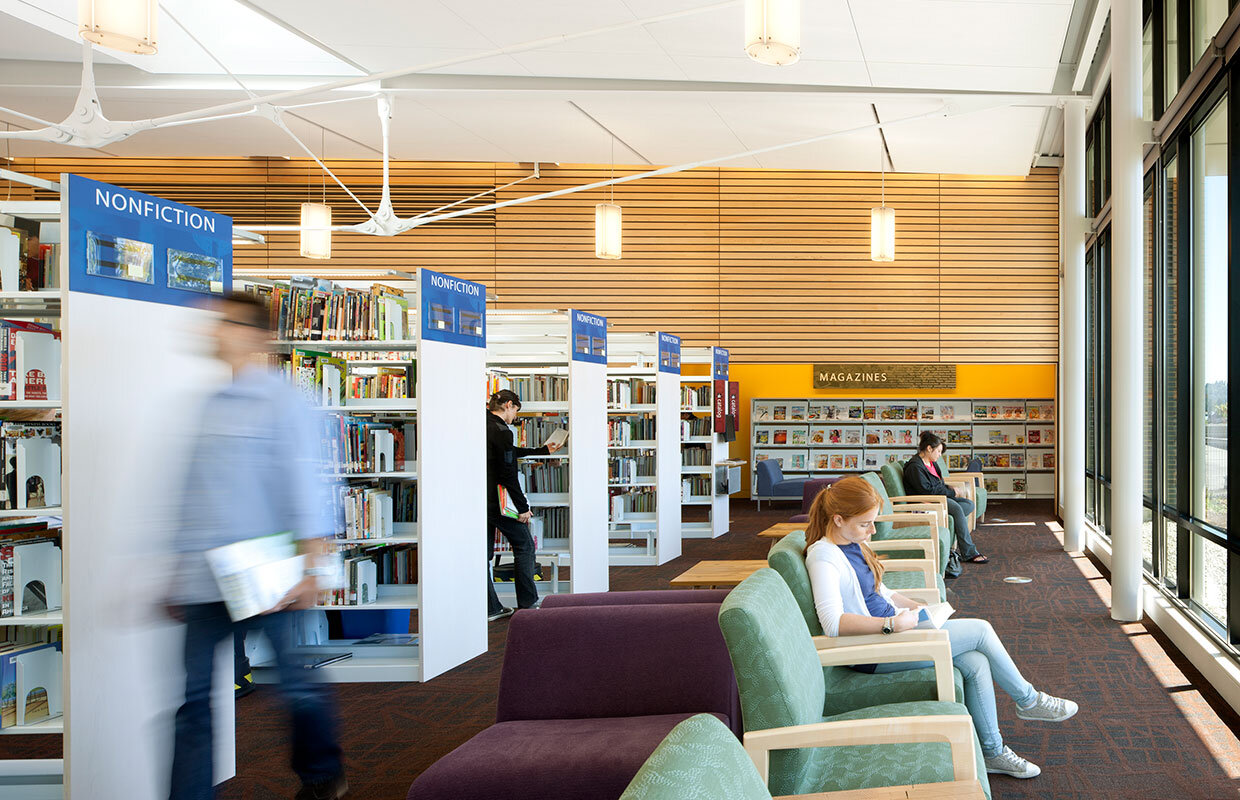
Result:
pixel 804 72
pixel 995 142
pixel 600 65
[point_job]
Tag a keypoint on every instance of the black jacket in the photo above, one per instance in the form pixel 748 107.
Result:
pixel 502 465
pixel 920 480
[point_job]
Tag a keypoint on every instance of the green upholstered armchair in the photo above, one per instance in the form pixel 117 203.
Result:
pixel 799 747
pixel 893 482
pixel 701 760
pixel 917 521
pixel 976 482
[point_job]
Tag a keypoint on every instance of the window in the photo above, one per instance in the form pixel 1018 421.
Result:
pixel 1171 50
pixel 1171 539
pixel 1147 71
pixel 1209 565
pixel 1210 328
pixel 1171 335
pixel 1147 326
pixel 1207 17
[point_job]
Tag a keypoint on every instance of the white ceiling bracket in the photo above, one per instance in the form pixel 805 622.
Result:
pixel 384 222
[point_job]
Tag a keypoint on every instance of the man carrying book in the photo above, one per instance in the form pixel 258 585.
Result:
pixel 505 499
pixel 255 472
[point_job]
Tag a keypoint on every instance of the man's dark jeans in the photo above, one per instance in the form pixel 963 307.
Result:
pixel 316 754
pixel 518 536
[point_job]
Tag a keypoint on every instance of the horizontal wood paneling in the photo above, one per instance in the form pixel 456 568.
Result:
pixel 773 264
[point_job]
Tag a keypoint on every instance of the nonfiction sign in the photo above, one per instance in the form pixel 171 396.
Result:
pixel 884 376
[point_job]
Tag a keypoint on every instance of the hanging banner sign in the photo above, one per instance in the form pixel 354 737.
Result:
pixel 669 353
pixel 141 247
pixel 454 311
pixel 589 332
pixel 719 363
pixel 884 376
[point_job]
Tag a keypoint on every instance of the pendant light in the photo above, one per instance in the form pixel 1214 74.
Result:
pixel 882 219
pixel 607 231
pixel 316 220
pixel 773 31
pixel 130 26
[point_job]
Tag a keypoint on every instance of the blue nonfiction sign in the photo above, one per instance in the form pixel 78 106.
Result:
pixel 589 332
pixel 133 245
pixel 453 310
pixel 719 363
pixel 669 353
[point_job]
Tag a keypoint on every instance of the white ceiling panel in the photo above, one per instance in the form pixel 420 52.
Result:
pixel 530 127
pixel 826 33
pixel 383 58
pixel 962 32
pixel 504 22
pixel 995 142
pixel 643 120
pixel 600 65
pixel 951 76
pixel 379 23
pixel 804 73
pixel 22 40
pixel 771 120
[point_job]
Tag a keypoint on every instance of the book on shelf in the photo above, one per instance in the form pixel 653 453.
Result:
pixel 822 461
pixel 852 436
pixel 31 464
pixel 797 436
pixel 36 374
pixel 779 436
pixel 362 445
pixel 27 264
pixel 30 683
pixel 797 411
pixel 624 392
pixel 762 436
pixel 762 412
pixel 818 435
pixel 30 575
pixel 1019 485
pixel 780 413
pixel 329 380
pixel 317 310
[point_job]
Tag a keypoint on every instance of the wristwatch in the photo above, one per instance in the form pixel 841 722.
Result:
pixel 889 625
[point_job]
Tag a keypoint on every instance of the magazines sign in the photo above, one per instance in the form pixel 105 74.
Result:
pixel 669 353
pixel 885 376
pixel 453 310
pixel 589 332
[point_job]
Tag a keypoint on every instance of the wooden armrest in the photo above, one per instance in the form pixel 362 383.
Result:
pixel 926 566
pixel 954 729
pixel 920 498
pixel 928 547
pixel 940 512
pixel 915 635
pixel 975 475
pixel 927 596
pixel 889 652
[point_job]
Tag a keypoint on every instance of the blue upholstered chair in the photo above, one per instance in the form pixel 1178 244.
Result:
pixel 772 484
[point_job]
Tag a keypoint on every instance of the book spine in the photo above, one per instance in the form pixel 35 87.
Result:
pixel 6 581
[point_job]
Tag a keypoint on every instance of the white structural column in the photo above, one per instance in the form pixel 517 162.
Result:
pixel 1072 404
pixel 1126 297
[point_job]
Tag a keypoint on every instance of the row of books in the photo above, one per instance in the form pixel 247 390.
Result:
pixel 29 361
pixel 30 569
pixel 694 486
pixel 625 392
pixel 327 380
pixel 630 469
pixel 31 452
pixel 694 396
pixel 627 430
pixel 638 501
pixel 365 512
pixel 26 263
pixel 696 426
pixel 963 410
pixel 549 523
pixel 539 388
pixel 354 444
pixel 695 457
pixel 542 477
pixel 533 431
pixel 380 383
pixel 30 681
pixel 316 310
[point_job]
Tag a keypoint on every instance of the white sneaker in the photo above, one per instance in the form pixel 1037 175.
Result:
pixel 1048 709
pixel 1008 763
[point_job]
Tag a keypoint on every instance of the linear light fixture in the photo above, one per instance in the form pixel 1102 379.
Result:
pixel 882 219
pixel 131 26
pixel 773 31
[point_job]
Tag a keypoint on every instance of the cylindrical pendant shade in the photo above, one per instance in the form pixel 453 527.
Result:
pixel 773 31
pixel 607 230
pixel 130 26
pixel 316 230
pixel 882 234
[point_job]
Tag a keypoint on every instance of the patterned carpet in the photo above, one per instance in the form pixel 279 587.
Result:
pixel 1147 728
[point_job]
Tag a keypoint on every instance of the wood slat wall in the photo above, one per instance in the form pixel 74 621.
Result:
pixel 773 265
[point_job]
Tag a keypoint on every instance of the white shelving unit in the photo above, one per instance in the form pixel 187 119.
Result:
pixel 40 306
pixel 827 437
pixel 647 358
pixel 701 449
pixel 451 624
pixel 544 346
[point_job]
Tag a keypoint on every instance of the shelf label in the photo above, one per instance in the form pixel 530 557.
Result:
pixel 589 333
pixel 454 311
pixel 669 353
pixel 884 376
pixel 137 246
pixel 719 363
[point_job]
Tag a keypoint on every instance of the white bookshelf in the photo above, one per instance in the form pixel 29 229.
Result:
pixel 539 346
pixel 649 533
pixel 43 306
pixel 448 557
pixel 832 437
pixel 701 452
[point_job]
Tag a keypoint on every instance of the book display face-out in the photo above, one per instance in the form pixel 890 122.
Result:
pixel 1014 439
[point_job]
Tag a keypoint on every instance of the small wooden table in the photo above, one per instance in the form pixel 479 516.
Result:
pixel 781 529
pixel 716 574
pixel 952 790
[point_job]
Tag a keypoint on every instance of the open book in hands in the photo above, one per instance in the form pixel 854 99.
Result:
pixel 933 616
pixel 557 438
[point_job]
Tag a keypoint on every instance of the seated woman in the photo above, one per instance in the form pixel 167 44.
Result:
pixel 922 476
pixel 850 599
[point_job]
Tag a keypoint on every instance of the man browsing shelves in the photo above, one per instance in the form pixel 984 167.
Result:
pixel 255 471
pixel 502 455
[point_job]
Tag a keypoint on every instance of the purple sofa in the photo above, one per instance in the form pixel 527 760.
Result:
pixel 585 695
pixel 656 597
pixel 808 492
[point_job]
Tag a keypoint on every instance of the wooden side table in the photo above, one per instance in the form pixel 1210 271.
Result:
pixel 716 574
